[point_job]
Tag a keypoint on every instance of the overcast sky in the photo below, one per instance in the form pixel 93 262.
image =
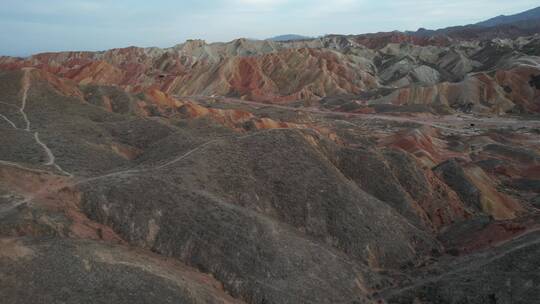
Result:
pixel 31 26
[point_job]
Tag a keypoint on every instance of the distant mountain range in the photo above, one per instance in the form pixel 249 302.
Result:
pixel 525 23
pixel 517 18
pixel 289 37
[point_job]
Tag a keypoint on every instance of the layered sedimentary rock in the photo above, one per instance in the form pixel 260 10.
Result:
pixel 488 76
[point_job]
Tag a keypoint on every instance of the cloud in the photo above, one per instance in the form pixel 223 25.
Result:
pixel 255 6
pixel 261 2
pixel 324 8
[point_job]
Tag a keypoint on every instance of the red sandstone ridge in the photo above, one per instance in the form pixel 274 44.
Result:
pixel 238 120
pixel 64 86
pixel 379 70
pixel 424 143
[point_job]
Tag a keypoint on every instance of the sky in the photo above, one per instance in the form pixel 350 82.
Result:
pixel 33 26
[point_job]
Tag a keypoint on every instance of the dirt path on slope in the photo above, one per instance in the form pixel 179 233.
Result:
pixel 458 123
pixel 25 87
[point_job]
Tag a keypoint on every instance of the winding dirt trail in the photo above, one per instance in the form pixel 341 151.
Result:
pixel 73 183
pixel 25 87
pixel 48 151
pixel 186 154
pixel 9 121
pixel 127 172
